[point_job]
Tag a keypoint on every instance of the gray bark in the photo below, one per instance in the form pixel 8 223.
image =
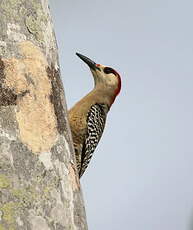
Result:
pixel 39 186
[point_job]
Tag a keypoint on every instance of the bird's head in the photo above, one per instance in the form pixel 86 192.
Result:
pixel 104 77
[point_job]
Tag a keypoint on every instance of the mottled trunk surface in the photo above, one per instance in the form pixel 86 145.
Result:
pixel 39 187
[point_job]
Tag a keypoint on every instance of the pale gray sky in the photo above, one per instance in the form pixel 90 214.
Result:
pixel 140 177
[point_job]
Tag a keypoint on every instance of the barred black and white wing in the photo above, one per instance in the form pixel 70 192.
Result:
pixel 96 122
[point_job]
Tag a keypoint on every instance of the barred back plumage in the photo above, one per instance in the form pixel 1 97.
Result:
pixel 96 122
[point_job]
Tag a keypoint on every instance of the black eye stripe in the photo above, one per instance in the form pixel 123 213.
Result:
pixel 108 70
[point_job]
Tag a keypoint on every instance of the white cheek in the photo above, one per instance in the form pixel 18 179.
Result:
pixel 112 80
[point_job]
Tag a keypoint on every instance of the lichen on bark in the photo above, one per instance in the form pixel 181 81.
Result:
pixel 39 186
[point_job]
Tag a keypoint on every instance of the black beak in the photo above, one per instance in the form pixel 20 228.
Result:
pixel 88 61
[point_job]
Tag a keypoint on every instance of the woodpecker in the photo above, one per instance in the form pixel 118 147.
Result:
pixel 87 117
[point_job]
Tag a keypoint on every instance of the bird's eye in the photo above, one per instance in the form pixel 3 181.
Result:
pixel 109 70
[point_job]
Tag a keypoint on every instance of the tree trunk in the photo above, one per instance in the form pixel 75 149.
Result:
pixel 39 186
